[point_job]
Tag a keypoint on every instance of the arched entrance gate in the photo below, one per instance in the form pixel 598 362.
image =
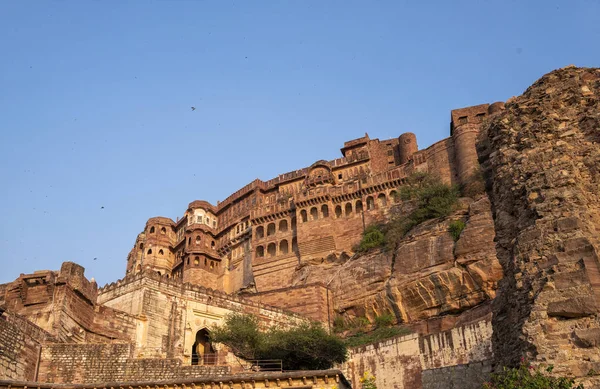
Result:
pixel 203 352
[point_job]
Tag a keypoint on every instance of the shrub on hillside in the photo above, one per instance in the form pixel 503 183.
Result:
pixel 528 377
pixel 372 237
pixel 432 199
pixel 456 228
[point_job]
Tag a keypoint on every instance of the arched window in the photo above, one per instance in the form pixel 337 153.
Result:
pixel 138 268
pixel 163 230
pixel 338 211
pixel 189 240
pixel 161 252
pixel 196 261
pixel 325 210
pixel 370 203
pixel 394 196
pixel 188 261
pixel 283 247
pixel 203 352
pixel 382 200
pixel 141 246
pixel 212 243
pixel 158 273
pixel 152 230
pixel 260 232
pixel 348 209
pixel 260 252
pixel 304 216
pixel 270 229
pixel 314 214
pixel 283 226
pixel 358 207
pixel 149 251
pixel 271 250
pixel 198 239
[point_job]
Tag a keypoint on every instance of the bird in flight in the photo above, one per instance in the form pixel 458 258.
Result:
pixel 193 108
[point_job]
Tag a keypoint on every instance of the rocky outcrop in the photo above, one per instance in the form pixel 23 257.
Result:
pixel 429 275
pixel 541 156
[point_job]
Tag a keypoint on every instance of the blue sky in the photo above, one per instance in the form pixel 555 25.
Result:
pixel 95 100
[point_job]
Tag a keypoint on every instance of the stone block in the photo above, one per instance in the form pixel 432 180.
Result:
pixel 573 307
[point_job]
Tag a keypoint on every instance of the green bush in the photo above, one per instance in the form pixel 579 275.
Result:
pixel 339 325
pixel 385 320
pixel 528 377
pixel 456 228
pixel 432 199
pixel 372 237
pixel 305 346
pixel 378 334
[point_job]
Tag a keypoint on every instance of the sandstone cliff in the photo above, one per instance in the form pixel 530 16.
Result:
pixel 542 162
pixel 429 275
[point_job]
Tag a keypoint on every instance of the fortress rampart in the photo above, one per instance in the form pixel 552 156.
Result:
pixel 258 235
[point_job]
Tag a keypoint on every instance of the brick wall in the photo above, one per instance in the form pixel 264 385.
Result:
pixel 308 300
pixel 19 348
pixel 467 376
pixel 102 363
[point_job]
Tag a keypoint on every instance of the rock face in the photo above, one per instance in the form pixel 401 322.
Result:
pixel 541 156
pixel 429 274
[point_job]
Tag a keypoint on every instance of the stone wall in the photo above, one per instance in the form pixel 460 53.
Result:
pixel 413 361
pixel 20 343
pixel 309 300
pixel 467 376
pixel 171 313
pixel 102 363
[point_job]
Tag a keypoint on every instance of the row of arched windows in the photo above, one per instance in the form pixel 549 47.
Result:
pixel 274 249
pixel 212 264
pixel 271 228
pixel 346 210
pixel 163 230
pixel 314 213
pixel 160 252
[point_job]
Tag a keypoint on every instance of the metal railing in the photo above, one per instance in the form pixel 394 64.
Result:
pixel 265 365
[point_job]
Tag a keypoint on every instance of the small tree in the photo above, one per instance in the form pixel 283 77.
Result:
pixel 304 346
pixel 372 237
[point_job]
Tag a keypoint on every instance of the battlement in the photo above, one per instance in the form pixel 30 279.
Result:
pixel 201 293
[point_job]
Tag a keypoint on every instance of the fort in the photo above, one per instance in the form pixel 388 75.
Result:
pixel 284 250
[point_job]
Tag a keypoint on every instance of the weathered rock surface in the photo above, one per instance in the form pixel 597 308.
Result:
pixel 542 161
pixel 429 274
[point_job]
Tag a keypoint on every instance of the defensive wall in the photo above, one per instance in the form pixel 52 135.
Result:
pixel 456 358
